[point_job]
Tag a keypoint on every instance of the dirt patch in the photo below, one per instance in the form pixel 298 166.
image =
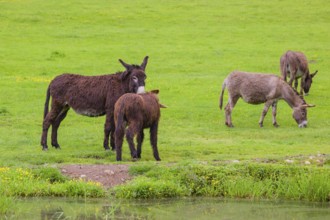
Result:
pixel 108 175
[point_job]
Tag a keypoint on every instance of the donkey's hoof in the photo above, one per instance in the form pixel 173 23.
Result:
pixel 261 125
pixel 45 148
pixel 56 145
pixel 276 125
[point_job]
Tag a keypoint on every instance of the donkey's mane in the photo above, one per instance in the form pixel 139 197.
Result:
pixel 296 92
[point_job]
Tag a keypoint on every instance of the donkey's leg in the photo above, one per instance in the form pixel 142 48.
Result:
pixel 302 85
pixel 274 112
pixel 139 138
pixel 112 134
pixel 132 129
pixel 119 137
pixel 109 120
pixel 56 124
pixel 48 120
pixel 153 140
pixel 229 108
pixel 296 84
pixel 264 112
pixel 292 77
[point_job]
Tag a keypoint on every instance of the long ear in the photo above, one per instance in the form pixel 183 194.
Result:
pixel 313 74
pixel 144 63
pixel 155 91
pixel 127 66
pixel 308 105
pixel 162 106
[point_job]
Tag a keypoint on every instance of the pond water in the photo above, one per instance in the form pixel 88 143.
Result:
pixel 189 208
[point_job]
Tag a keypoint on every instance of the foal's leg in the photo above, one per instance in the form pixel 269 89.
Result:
pixel 229 108
pixel 132 129
pixel 264 112
pixel 56 124
pixel 153 140
pixel 274 111
pixel 48 120
pixel 119 136
pixel 109 121
pixel 139 138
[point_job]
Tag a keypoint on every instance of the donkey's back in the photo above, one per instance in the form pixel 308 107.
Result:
pixel 253 88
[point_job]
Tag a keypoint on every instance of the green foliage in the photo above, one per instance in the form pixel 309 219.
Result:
pixel 51 174
pixel 7 205
pixel 238 181
pixel 148 188
pixel 44 182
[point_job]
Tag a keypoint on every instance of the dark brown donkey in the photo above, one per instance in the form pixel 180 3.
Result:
pixel 295 65
pixel 137 111
pixel 90 96
pixel 256 88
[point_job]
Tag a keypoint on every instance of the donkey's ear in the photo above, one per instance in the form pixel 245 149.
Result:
pixel 162 106
pixel 155 91
pixel 313 74
pixel 127 66
pixel 144 63
pixel 308 105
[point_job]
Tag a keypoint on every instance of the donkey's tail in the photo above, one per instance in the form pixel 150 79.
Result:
pixel 222 92
pixel 47 103
pixel 119 118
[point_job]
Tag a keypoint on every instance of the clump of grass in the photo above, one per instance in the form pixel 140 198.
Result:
pixel 7 205
pixel 44 182
pixel 3 111
pixel 232 180
pixel 147 188
pixel 53 175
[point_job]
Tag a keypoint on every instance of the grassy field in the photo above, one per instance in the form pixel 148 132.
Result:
pixel 192 45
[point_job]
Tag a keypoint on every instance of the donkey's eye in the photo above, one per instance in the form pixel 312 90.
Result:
pixel 135 79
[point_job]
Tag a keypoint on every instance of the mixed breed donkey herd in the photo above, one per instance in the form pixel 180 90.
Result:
pixel 121 97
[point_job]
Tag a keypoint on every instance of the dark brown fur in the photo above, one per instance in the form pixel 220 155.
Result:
pixel 137 111
pixel 257 88
pixel 295 65
pixel 91 96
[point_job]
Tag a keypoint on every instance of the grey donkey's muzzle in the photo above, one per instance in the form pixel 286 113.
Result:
pixel 303 124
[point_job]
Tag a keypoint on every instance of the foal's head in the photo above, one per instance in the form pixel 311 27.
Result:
pixel 135 74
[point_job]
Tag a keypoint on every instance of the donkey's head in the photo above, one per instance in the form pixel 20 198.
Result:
pixel 135 75
pixel 308 82
pixel 300 114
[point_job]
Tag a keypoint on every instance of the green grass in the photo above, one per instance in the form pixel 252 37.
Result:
pixel 192 45
pixel 238 181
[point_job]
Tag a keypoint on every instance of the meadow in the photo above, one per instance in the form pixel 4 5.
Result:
pixel 193 46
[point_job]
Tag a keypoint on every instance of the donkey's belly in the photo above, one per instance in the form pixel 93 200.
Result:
pixel 254 100
pixel 89 112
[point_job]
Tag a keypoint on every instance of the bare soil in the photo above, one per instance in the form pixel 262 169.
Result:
pixel 108 175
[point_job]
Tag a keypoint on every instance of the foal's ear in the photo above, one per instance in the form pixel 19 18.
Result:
pixel 144 63
pixel 313 74
pixel 308 105
pixel 155 91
